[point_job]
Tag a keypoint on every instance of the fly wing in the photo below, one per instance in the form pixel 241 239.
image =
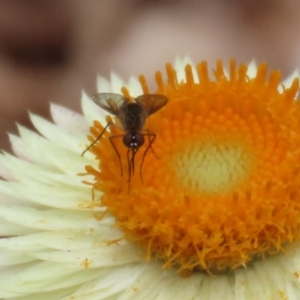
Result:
pixel 151 103
pixel 110 102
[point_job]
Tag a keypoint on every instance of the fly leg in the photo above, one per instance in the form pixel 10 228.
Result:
pixel 97 139
pixel 116 150
pixel 151 137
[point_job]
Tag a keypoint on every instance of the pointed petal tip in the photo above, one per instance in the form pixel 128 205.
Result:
pixel 289 80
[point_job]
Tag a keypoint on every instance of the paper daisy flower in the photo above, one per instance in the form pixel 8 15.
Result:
pixel 210 211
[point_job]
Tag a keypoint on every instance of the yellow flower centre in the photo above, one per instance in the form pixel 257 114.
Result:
pixel 212 166
pixel 219 186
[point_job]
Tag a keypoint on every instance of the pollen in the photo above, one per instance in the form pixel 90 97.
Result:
pixel 220 186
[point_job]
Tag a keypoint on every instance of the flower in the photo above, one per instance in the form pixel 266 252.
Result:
pixel 211 210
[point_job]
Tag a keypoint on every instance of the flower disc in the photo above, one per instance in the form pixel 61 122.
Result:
pixel 219 186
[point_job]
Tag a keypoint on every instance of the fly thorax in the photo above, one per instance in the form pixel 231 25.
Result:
pixel 132 117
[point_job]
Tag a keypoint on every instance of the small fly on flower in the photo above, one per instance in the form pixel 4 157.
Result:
pixel 132 116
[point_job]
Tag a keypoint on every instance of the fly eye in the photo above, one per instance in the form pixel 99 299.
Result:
pixel 133 140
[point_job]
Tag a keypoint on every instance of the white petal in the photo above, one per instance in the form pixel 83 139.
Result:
pixel 57 135
pixel 148 285
pixel 91 111
pixel 116 83
pixel 13 258
pixel 96 257
pixel 48 219
pixel 224 290
pixel 103 85
pixel 67 119
pixel 31 143
pixel 66 239
pixel 289 80
pixel 42 277
pixel 134 87
pixel 266 278
pixel 111 282
pixel 180 65
pixel 8 229
pixel 58 196
pixel 18 146
pixel 252 69
pixel 47 154
pixel 5 173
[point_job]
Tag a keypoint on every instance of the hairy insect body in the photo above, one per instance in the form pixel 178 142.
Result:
pixel 133 117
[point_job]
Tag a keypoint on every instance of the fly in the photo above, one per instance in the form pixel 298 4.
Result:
pixel 132 116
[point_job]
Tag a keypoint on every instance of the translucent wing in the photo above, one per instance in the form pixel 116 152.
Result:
pixel 151 102
pixel 110 102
